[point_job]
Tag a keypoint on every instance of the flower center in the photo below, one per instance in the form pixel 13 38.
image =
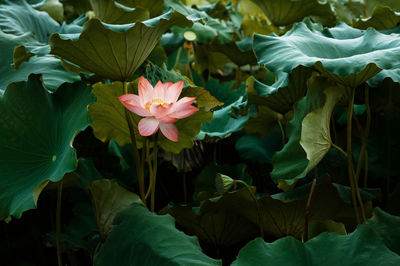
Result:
pixel 157 101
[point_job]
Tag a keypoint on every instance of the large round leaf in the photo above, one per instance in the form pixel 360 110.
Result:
pixel 347 55
pixel 141 237
pixel 115 51
pixel 35 139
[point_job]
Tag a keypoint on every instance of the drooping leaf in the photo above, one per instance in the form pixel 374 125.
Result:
pixel 115 51
pixel 308 131
pixel 362 247
pixel 155 7
pixel 54 8
pixel 346 55
pixel 37 129
pixel 159 244
pixel 109 198
pixel 285 12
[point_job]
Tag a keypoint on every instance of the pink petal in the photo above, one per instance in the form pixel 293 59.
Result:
pixel 167 119
pixel 148 126
pixel 184 112
pixel 173 91
pixel 169 131
pixel 133 104
pixel 145 90
pixel 183 103
pixel 158 92
pixel 158 110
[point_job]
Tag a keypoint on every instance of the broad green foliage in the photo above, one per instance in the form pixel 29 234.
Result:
pixel 308 132
pixel 343 54
pixel 109 199
pixel 114 13
pixel 23 26
pixel 285 12
pixel 362 247
pixel 109 120
pixel 252 147
pixel 159 244
pixel 34 150
pixel 382 18
pixel 114 51
pixel 205 27
pixel 369 244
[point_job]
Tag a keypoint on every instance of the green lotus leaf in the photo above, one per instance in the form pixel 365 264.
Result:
pixel 285 12
pixel 54 8
pixel 265 121
pixel 109 122
pixel 308 131
pixel 115 51
pixel 382 18
pixel 362 247
pixel 112 12
pixel 159 244
pixel 276 213
pixel 254 148
pixel 224 121
pixel 387 227
pixel 239 52
pixel 347 10
pixel 206 29
pixel 28 29
pixel 35 143
pixel 20 19
pixel 346 55
pixel 283 94
pixel 215 228
pixel 370 5
pixel 155 7
pixel 109 198
pixel 208 60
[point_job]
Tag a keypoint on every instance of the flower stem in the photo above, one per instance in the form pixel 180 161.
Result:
pixel 58 222
pixel 139 169
pixel 350 157
pixel 307 214
pixel 257 205
pixel 154 173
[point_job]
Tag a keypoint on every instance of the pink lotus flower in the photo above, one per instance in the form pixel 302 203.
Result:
pixel 159 106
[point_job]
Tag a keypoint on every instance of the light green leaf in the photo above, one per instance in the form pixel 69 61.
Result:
pixel 308 131
pixel 35 139
pixel 159 244
pixel 54 8
pixel 346 55
pixel 285 12
pixel 115 51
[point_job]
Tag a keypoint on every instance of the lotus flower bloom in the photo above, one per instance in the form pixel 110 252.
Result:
pixel 159 106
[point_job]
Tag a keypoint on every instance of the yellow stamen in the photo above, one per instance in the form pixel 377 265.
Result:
pixel 158 101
